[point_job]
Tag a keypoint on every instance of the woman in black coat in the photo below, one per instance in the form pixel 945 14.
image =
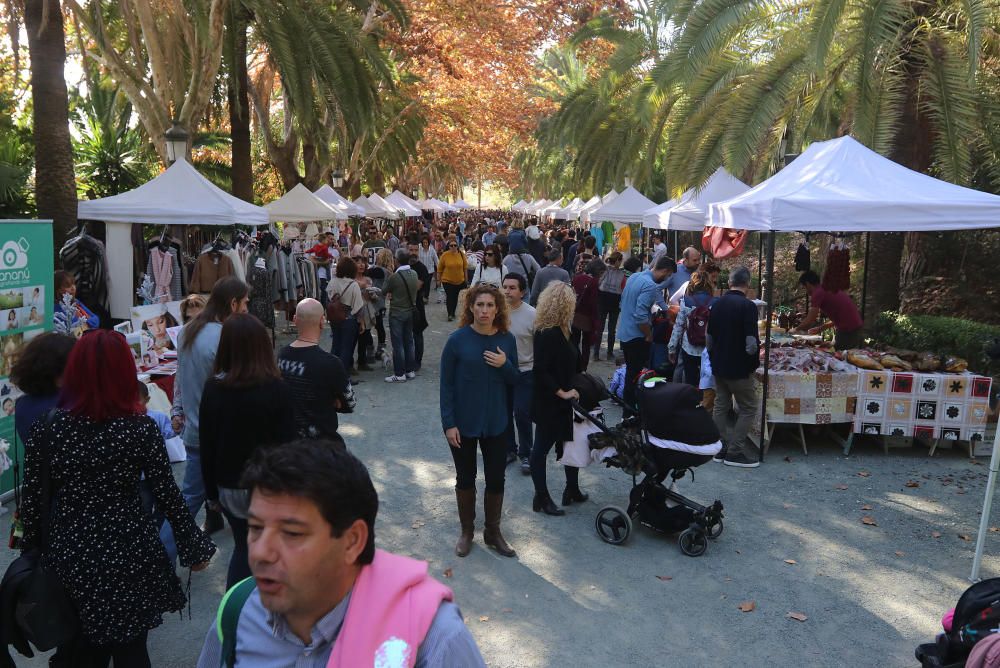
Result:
pixel 552 412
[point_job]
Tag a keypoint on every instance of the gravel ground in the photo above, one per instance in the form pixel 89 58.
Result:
pixel 794 541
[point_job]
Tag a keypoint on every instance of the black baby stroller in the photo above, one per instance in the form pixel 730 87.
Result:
pixel 670 436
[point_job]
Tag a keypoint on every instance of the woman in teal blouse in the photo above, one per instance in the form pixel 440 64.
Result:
pixel 478 364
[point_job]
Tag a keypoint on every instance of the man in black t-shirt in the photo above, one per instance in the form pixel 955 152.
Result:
pixel 320 386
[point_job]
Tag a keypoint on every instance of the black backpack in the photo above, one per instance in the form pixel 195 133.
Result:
pixel 977 615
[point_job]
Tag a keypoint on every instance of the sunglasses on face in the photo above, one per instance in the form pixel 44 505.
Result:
pixel 488 254
pixel 452 245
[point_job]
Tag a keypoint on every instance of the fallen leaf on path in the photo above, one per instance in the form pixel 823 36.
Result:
pixel 747 606
pixel 964 537
pixel 960 491
pixel 869 520
pixel 788 459
pixel 864 474
pixel 935 534
pixel 867 506
pixel 448 572
pixel 911 483
pixel 994 529
pixel 791 561
pixel 841 487
pixel 788 506
pixel 484 618
pixel 899 554
pixel 797 616
pixel 664 578
pixel 417 524
pixel 507 610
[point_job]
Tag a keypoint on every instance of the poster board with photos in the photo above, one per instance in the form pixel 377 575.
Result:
pixel 26 304
pixel 156 320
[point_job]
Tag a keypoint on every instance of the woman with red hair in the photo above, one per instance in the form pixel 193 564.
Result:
pixel 100 541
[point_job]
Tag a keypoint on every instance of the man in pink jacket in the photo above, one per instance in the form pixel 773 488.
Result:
pixel 322 595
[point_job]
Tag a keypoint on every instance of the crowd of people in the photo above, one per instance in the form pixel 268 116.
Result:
pixel 264 454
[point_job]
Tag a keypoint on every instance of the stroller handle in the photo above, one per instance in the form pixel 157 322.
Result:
pixel 586 415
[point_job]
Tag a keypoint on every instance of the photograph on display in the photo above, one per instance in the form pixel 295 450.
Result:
pixel 156 319
pixel 137 343
pixel 10 319
pixel 124 327
pixel 12 298
pixel 35 296
pixel 32 316
pixel 10 347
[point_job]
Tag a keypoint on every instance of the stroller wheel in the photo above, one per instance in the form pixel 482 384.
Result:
pixel 613 525
pixel 693 542
pixel 714 530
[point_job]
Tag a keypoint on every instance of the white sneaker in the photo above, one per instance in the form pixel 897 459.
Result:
pixel 395 379
pixel 411 374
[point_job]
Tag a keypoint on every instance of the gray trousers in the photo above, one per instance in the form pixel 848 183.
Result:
pixel 743 390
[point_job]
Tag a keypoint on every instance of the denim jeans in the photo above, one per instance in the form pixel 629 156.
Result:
pixel 520 395
pixel 544 442
pixel 193 491
pixel 401 334
pixel 418 350
pixel 494 450
pixel 239 564
pixel 342 340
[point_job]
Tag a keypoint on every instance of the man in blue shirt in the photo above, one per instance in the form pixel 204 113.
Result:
pixel 490 236
pixel 635 329
pixel 688 264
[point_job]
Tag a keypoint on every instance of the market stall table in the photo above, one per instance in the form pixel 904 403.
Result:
pixel 809 398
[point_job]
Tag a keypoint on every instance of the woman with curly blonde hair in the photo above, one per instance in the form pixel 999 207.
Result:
pixel 478 365
pixel 555 364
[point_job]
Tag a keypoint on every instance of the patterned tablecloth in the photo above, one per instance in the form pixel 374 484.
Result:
pixel 811 398
pixel 929 405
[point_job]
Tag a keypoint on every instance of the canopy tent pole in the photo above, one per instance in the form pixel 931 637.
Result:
pixel 864 277
pixel 677 257
pixel 984 518
pixel 768 297
pixel 760 258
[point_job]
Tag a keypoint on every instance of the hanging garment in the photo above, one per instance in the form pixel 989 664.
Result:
pixel 239 269
pixel 802 260
pixel 161 268
pixel 721 242
pixel 837 276
pixel 260 295
pixel 209 268
pixel 85 258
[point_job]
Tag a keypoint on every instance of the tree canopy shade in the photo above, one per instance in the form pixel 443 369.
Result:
pixel 841 186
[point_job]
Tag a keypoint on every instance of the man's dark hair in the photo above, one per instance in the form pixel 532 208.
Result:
pixel 589 242
pixel 553 254
pixel 809 277
pixel 632 264
pixel 665 262
pixel 324 472
pixel 572 234
pixel 522 282
pixel 40 364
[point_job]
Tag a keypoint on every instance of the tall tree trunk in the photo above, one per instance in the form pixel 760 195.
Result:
pixel 55 182
pixel 239 104
pixel 912 148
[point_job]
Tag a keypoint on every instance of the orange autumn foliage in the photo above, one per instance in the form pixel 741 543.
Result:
pixel 477 63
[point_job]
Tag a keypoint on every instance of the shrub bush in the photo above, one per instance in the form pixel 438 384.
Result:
pixel 941 335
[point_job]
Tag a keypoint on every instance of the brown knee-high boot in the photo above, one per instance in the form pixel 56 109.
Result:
pixel 467 518
pixel 493 505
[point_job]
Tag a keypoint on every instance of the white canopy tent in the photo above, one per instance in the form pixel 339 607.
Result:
pixel 337 201
pixel 299 205
pixel 519 206
pixel 689 212
pixel 550 210
pixel 535 207
pixel 462 204
pixel 370 210
pixel 624 209
pixel 178 196
pixel 842 186
pixel 570 211
pixel 400 201
pixel 591 205
pixel 389 210
pixel 431 204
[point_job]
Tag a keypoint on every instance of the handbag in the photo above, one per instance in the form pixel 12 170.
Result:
pixel 419 317
pixel 336 310
pixel 43 612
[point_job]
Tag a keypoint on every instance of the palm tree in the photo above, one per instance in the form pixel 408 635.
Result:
pixel 55 183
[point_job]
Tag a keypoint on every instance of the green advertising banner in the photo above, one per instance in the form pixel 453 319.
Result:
pixel 26 303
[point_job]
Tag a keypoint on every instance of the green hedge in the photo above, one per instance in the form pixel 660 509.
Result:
pixel 941 335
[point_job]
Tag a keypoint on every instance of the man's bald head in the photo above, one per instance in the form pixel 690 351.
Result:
pixel 692 257
pixel 309 314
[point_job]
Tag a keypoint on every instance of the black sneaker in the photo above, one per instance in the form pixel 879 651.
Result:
pixel 741 461
pixel 525 466
pixel 511 457
pixel 721 457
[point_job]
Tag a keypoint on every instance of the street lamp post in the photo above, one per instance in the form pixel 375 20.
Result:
pixel 176 139
pixel 337 177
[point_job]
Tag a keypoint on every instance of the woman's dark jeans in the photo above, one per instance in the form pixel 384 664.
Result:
pixel 451 291
pixel 494 450
pixel 544 441
pixel 239 563
pixel 342 339
pixel 608 308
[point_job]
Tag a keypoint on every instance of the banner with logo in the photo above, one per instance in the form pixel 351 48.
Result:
pixel 26 303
